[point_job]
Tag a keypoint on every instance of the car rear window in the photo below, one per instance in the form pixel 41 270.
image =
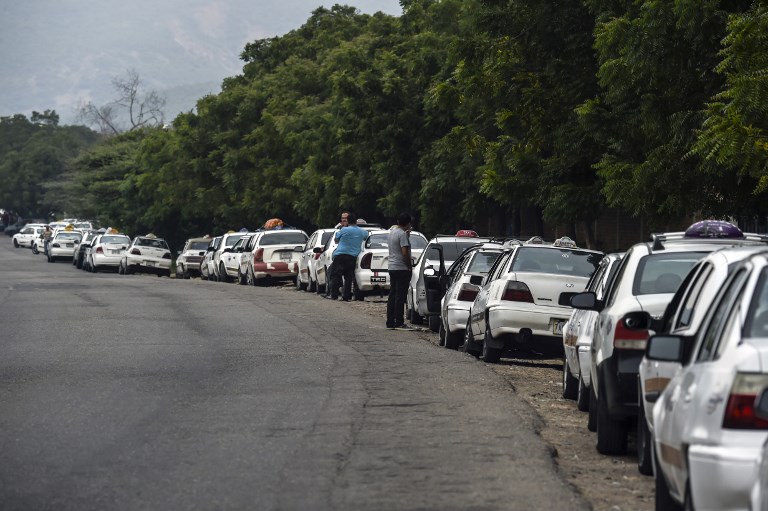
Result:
pixel 68 236
pixel 154 243
pixel 482 262
pixel 115 239
pixel 558 261
pixel 378 241
pixel 663 272
pixel 283 238
pixel 231 240
pixel 451 250
pixel 199 245
pixel 418 242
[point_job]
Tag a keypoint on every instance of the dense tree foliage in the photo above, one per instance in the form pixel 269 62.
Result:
pixel 463 112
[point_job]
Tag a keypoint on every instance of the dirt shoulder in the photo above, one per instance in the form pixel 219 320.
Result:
pixel 607 482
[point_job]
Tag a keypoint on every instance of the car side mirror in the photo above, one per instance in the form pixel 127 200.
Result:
pixel 317 250
pixel 586 301
pixel 664 348
pixel 565 298
pixel 429 271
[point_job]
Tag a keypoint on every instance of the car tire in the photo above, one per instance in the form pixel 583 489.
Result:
pixel 611 433
pixel 416 318
pixel 592 416
pixel 453 339
pixel 120 269
pixel 300 286
pixel 242 279
pixel 582 398
pixel 441 335
pixel 663 500
pixel 15 243
pixel 249 280
pixel 570 383
pixel 223 273
pixel 434 323
pixel 644 443
pixel 470 346
pixel 490 355
pixel 312 286
pixel 34 249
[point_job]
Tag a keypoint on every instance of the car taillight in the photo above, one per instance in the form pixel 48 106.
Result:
pixel 136 251
pixel 517 292
pixel 740 410
pixel 467 293
pixel 365 262
pixel 317 256
pixel 99 250
pixel 629 339
pixel 167 255
pixel 258 257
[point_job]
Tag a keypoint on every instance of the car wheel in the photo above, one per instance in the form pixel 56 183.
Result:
pixel 241 279
pixel 644 443
pixel 611 433
pixel 15 243
pixel 434 323
pixel 120 269
pixel 223 273
pixel 34 249
pixel 582 398
pixel 249 277
pixel 664 501
pixel 453 339
pixel 570 383
pixel 416 319
pixel 300 286
pixel 470 346
pixel 490 355
pixel 592 417
pixel 441 335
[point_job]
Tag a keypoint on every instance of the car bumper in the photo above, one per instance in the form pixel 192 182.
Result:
pixel 722 477
pixel 368 280
pixel 509 320
pixel 61 251
pixel 457 317
pixel 148 263
pixel 277 270
pixel 107 259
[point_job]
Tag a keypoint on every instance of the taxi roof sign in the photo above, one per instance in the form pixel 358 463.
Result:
pixel 565 241
pixel 535 240
pixel 466 233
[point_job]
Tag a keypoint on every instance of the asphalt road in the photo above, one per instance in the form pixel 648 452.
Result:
pixel 137 392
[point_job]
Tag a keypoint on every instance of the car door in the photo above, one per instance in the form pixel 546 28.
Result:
pixel 477 311
pixel 689 391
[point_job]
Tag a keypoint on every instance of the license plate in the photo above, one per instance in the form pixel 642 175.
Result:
pixel 286 256
pixel 557 326
pixel 70 245
pixel 149 263
pixel 379 280
pixel 114 251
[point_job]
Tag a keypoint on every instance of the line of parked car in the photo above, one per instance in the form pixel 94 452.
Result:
pixel 668 339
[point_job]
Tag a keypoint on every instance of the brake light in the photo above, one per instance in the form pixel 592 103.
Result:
pixel 317 255
pixel 629 339
pixel 467 293
pixel 365 262
pixel 136 251
pixel 99 250
pixel 517 291
pixel 167 255
pixel 258 256
pixel 740 410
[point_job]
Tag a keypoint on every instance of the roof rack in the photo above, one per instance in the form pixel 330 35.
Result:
pixel 659 238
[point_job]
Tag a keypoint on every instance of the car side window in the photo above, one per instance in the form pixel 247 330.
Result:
pixel 616 280
pixel 496 269
pixel 714 329
pixel 596 279
pixel 688 306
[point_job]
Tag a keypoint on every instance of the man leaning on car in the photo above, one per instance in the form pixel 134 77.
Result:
pixel 399 271
pixel 350 240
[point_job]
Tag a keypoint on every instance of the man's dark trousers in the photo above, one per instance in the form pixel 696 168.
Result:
pixel 398 290
pixel 343 266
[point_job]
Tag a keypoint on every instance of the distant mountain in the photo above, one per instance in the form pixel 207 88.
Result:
pixel 56 54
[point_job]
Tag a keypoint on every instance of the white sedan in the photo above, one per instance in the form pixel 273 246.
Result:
pixel 520 296
pixel 63 245
pixel 146 254
pixel 708 437
pixel 26 236
pixel 106 251
pixel 372 266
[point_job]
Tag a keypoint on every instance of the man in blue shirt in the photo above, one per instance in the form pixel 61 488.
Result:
pixel 350 240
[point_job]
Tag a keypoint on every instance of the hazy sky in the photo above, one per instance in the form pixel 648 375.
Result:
pixel 56 53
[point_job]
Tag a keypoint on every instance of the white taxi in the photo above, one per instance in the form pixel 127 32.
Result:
pixel 217 269
pixel 309 257
pixel 372 265
pixel 708 437
pixel 424 290
pixel 520 296
pixel 273 256
pixel 64 243
pixel 462 283
pixel 577 336
pixel 27 235
pixel 106 251
pixel 647 278
pixel 146 254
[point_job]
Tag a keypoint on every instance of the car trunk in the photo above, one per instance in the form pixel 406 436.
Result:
pixel 546 287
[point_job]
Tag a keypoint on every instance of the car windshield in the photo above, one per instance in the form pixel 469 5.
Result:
pixel 451 250
pixel 557 261
pixel 115 239
pixel 283 238
pixel 151 242
pixel 199 245
pixel 757 317
pixel 231 240
pixel 482 262
pixel 663 273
